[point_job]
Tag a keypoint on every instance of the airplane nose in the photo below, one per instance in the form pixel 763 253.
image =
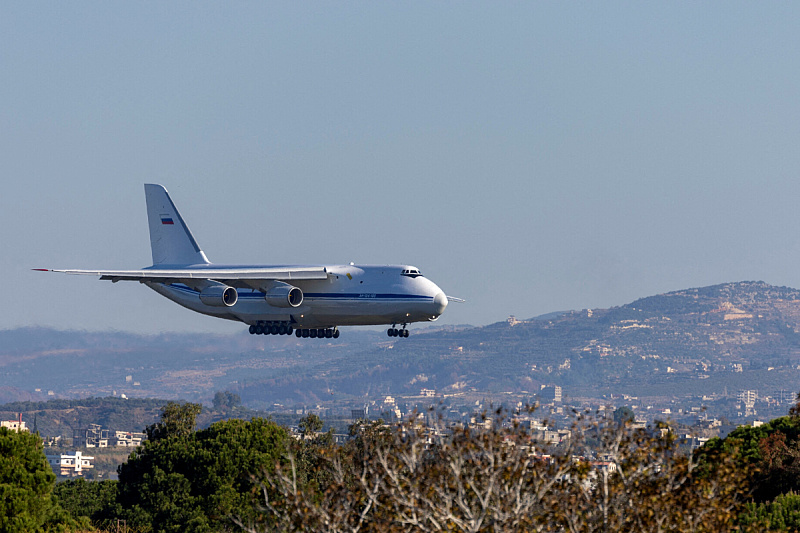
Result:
pixel 439 303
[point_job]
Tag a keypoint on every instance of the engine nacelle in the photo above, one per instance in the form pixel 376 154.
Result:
pixel 219 295
pixel 283 295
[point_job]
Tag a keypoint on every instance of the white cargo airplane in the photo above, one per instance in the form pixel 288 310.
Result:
pixel 312 301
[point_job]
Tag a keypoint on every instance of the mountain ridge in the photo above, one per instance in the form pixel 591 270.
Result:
pixel 693 341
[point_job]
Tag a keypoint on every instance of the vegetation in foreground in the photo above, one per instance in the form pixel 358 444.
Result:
pixel 237 475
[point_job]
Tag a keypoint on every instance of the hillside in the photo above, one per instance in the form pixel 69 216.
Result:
pixel 697 341
pixel 66 416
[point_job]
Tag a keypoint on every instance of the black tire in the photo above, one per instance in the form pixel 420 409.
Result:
pixel 252 330
pixel 336 334
pixel 405 333
pixel 259 330
pixel 328 333
pixel 298 333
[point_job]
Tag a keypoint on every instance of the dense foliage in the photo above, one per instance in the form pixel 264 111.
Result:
pixel 770 453
pixel 96 501
pixel 413 478
pixel 177 420
pixel 26 486
pixel 238 475
pixel 196 481
pixel 225 401
pixel 781 514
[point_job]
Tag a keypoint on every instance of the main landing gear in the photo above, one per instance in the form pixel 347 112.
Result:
pixel 271 328
pixel 394 332
pixel 322 333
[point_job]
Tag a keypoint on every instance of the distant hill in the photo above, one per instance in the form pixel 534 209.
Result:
pixel 742 335
pixel 737 335
pixel 40 363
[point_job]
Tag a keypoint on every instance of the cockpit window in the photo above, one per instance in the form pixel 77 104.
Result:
pixel 411 272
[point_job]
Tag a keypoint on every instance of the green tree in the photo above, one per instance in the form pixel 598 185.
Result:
pixel 195 482
pixel 310 425
pixel 94 500
pixel 26 486
pixel 781 514
pixel 177 419
pixel 225 401
pixel 769 453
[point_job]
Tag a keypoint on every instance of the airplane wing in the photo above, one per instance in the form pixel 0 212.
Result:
pixel 235 277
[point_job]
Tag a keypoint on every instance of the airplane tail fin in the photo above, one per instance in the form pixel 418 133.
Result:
pixel 170 239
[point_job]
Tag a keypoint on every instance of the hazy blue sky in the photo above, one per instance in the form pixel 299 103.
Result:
pixel 529 157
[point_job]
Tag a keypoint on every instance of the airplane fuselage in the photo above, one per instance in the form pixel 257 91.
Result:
pixel 352 295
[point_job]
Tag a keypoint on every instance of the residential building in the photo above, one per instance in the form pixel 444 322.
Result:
pixel 15 425
pixel 70 465
pixel 92 437
pixel 127 438
pixel 550 394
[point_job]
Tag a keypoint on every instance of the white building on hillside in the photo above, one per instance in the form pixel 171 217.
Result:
pixel 70 465
pixel 15 425
pixel 128 438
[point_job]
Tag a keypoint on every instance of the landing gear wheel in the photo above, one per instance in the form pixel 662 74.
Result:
pixel 298 333
pixel 336 333
pixel 252 330
pixel 405 333
pixel 390 332
pixel 289 330
pixel 312 333
pixel 329 333
pixel 258 330
pixel 305 334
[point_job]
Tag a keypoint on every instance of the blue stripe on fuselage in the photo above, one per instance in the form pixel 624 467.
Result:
pixel 366 297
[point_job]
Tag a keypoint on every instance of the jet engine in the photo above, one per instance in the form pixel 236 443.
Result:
pixel 283 295
pixel 219 295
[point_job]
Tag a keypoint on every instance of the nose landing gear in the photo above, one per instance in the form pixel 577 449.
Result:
pixel 394 332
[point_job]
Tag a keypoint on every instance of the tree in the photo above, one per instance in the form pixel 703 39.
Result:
pixel 781 514
pixel 310 425
pixel 769 453
pixel 225 401
pixel 195 482
pixel 95 500
pixel 501 479
pixel 177 420
pixel 26 485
